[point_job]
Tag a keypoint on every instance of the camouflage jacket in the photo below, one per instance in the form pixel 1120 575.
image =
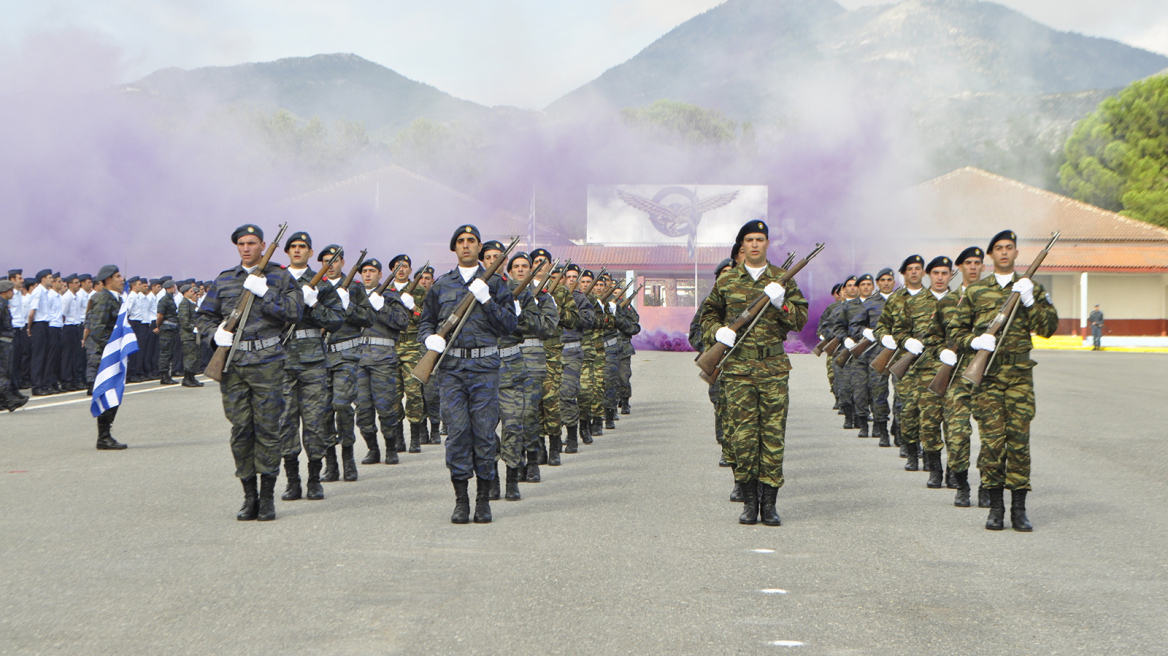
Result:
pixel 388 323
pixel 6 329
pixel 305 344
pixel 825 319
pixel 618 324
pixel 585 319
pixel 358 317
pixel 169 312
pixel 761 351
pixel 186 319
pixel 537 320
pixel 282 304
pixel 841 325
pixel 408 340
pixel 919 319
pixel 485 324
pixel 101 318
pixel 946 312
pixel 984 299
pixel 633 328
pixel 566 315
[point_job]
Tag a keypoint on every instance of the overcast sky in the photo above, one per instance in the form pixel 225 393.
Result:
pixel 525 53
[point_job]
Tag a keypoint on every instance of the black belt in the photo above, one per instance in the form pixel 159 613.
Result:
pixel 761 353
pixel 1007 359
pixel 472 353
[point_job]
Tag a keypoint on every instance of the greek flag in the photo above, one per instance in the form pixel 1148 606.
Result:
pixel 111 373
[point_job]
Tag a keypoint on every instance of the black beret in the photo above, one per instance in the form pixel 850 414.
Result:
pixel 247 229
pixel 912 259
pixel 735 250
pixel 169 284
pixel 15 272
pixel 42 273
pixel 722 266
pixel 189 280
pixel 750 228
pixel 133 280
pixel 370 262
pixel 541 252
pixel 884 272
pixel 155 281
pixel 972 251
pixel 847 280
pixel 518 256
pixel 185 288
pixel 866 276
pixel 835 288
pixel 85 276
pixel 167 278
pixel 328 252
pixel 573 267
pixel 399 258
pixel 464 230
pixel 297 236
pixel 587 273
pixel 427 269
pixel 492 245
pixel 106 271
pixel 6 285
pixel 1001 236
pixel 939 261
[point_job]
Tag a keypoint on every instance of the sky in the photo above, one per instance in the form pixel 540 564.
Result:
pixel 524 53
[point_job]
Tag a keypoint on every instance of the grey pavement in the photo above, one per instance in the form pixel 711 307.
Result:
pixel 631 547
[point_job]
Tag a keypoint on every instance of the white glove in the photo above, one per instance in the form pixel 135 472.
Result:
pixel 344 294
pixel 612 307
pixel 849 343
pixel 984 342
pixel 376 301
pixel 408 301
pixel 518 309
pixel 948 357
pixel 777 293
pixel 310 295
pixel 869 335
pixel 914 346
pixel 1025 287
pixel 257 285
pixel 481 291
pixel 435 343
pixel 223 338
pixel 726 336
pixel 888 342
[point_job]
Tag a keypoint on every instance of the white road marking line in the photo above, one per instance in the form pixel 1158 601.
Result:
pixel 772 591
pixel 90 400
pixel 785 643
pixel 763 550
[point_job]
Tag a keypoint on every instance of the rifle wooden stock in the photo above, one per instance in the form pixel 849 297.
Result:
pixel 818 349
pixel 832 346
pixel 1001 323
pixel 860 347
pixel 453 323
pixel 628 299
pixel 710 361
pixel 353 272
pixel 595 280
pixel 843 354
pixel 901 366
pixel 883 358
pixel 221 358
pixel 944 377
pixel 323 270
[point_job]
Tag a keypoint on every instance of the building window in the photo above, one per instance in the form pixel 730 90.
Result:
pixel 669 292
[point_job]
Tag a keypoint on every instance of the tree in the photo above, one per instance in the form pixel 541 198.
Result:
pixel 1117 157
pixel 676 121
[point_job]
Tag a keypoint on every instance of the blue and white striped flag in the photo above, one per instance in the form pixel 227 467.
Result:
pixel 110 381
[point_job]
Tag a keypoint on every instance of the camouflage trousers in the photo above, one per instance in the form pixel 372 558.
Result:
pixel 597 383
pixel 855 393
pixel 573 362
pixel 253 401
pixel 190 354
pixel 958 405
pixel 166 342
pixel 431 397
pixel 1004 407
pixel 92 362
pixel 626 377
pixel 409 387
pixel 837 381
pixel 549 405
pixel 756 425
pixel 830 373
pixel 5 365
pixel 588 385
pixel 612 383
pixel 923 415
pixel 377 394
pixel 341 421
pixel 719 433
pixel 306 409
pixel 877 392
pixel 470 407
pixel 519 393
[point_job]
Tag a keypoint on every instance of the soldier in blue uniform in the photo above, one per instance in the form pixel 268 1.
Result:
pixel 865 323
pixel 469 370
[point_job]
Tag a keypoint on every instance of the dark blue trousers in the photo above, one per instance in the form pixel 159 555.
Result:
pixel 470 408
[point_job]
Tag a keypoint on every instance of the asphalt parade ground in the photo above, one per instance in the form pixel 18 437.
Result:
pixel 630 547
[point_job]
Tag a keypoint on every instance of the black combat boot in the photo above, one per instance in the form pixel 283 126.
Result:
pixel 961 499
pixel 586 431
pixel 251 500
pixel 105 438
pixel 749 503
pixel 570 444
pixel 331 472
pixel 913 451
pixel 15 401
pixel 512 493
pixel 399 436
pixel 903 449
pixel 415 437
pixel 722 461
pixel 494 494
pixel 435 436
pixel 313 489
pixel 292 473
pixel 950 481
pixel 736 493
pixel 936 473
pixel 880 429
pixel 862 424
pixel 543 451
pixel 165 379
pixel 189 381
pixel 349 464
pixel 390 450
pixel 895 430
pixel 482 502
pixel 926 464
pixel 983 497
pixel 373 456
pixel 267 507
pixel 610 418
pixel 532 467
pixel 553 458
pixel 766 505
pixel 597 427
pixel 1018 511
pixel 625 409
pixel 461 514
pixel 995 522
pixel 849 418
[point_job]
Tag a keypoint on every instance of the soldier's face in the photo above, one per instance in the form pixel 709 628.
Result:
pixel 913 274
pixel 8 294
pixel 466 249
pixel 87 285
pixel 116 282
pixel 427 280
pixel 403 274
pixel 251 250
pixel 940 277
pixel 191 295
pixel 370 276
pixel 886 282
pixel 1004 254
pixel 519 269
pixel 74 286
pixel 299 255
pixel 866 288
pixel 600 287
pixel 571 277
pixel 971 269
pixel 337 269
pixel 18 281
pixel 754 247
pixel 490 257
pixel 584 282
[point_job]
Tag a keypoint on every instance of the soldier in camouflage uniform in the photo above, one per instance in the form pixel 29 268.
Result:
pixel 430 389
pixel 306 390
pixel 187 335
pixel 919 332
pixel 631 321
pixel 867 321
pixel 252 383
pixel 379 367
pixel 100 320
pixel 603 323
pixel 754 377
pixel 573 402
pixel 551 413
pixel 342 355
pixel 617 323
pixel 167 330
pixel 590 391
pixel 1004 402
pixel 821 329
pixel 957 404
pixel 715 391
pixel 846 376
pixel 913 268
pixel 409 351
pixel 9 400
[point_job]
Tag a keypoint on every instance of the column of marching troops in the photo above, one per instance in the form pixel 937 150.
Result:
pixel 323 357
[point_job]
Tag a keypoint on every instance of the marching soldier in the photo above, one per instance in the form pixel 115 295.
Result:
pixel 598 358
pixel 470 370
pixel 856 369
pixel 868 319
pixel 913 268
pixel 188 335
pixel 617 324
pixel 167 319
pixel 252 384
pixel 430 389
pixel 845 376
pixel 551 412
pixel 100 321
pixel 754 377
pixel 590 321
pixel 699 344
pixel 409 351
pixel 571 391
pixel 305 386
pixel 1004 402
pixel 825 320
pixel 631 322
pixel 958 399
pixel 377 374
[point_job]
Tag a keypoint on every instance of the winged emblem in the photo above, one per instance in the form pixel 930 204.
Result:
pixel 677 219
